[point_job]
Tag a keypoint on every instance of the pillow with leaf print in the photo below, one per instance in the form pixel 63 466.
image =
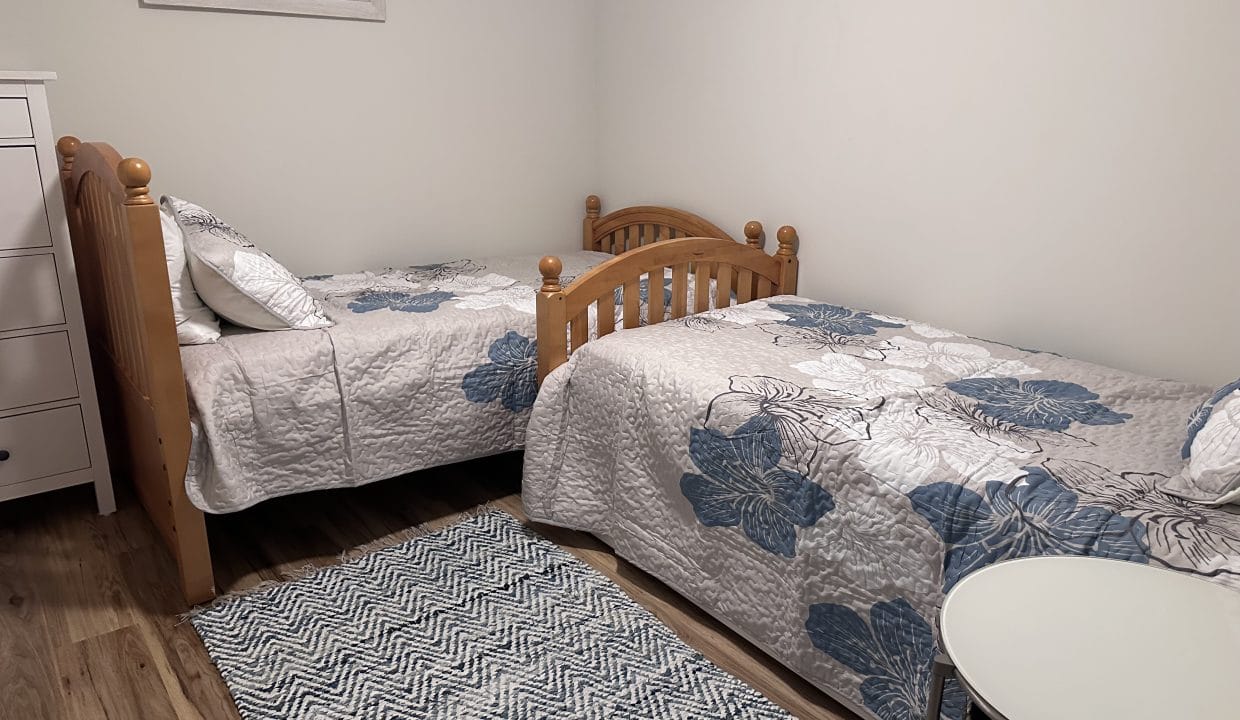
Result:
pixel 240 282
pixel 1212 474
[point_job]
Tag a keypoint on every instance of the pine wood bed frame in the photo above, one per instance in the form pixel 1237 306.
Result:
pixel 563 313
pixel 119 250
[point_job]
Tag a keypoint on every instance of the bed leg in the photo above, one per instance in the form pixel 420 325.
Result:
pixel 193 555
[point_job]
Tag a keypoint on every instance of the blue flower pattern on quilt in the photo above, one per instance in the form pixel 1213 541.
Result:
pixel 1030 517
pixel 753 465
pixel 1038 404
pixel 511 377
pixel 1202 415
pixel 831 319
pixel 894 651
pixel 741 483
pixel 373 300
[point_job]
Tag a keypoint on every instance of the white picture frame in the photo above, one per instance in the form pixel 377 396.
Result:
pixel 373 10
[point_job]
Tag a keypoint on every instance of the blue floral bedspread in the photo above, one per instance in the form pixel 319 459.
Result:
pixel 819 477
pixel 425 366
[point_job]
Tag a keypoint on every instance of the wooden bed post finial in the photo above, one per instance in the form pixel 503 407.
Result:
pixel 551 267
pixel 68 147
pixel 787 241
pixel 593 207
pixel 136 175
pixel 753 234
pixel 787 255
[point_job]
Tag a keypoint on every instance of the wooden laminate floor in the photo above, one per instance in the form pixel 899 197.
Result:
pixel 88 605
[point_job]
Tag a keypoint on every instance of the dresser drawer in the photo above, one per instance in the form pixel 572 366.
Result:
pixel 42 444
pixel 36 369
pixel 29 292
pixel 23 219
pixel 15 118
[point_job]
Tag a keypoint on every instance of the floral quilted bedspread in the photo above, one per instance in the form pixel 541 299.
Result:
pixel 819 477
pixel 425 366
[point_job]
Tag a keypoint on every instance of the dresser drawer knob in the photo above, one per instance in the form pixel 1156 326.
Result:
pixel 4 455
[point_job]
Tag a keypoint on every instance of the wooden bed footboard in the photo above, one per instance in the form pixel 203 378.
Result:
pixel 119 251
pixel 563 313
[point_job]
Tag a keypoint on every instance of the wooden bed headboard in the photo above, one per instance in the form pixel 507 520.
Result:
pixel 564 312
pixel 633 227
pixel 118 247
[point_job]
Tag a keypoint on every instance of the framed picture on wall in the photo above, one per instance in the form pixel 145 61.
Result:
pixel 352 9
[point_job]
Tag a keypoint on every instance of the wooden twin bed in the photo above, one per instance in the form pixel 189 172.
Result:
pixel 118 248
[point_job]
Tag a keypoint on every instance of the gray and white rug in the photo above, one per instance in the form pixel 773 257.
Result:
pixel 483 619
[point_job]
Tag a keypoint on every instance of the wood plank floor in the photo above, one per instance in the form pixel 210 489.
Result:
pixel 88 605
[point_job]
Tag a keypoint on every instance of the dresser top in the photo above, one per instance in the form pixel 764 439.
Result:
pixel 27 75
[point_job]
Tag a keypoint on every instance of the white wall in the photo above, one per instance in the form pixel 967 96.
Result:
pixel 1055 174
pixel 457 127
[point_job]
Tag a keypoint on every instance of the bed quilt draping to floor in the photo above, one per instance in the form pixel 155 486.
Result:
pixel 819 477
pixel 425 366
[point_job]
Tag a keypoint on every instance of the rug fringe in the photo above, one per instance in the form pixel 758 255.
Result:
pixel 309 569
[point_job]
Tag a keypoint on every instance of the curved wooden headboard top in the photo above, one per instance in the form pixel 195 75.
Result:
pixel 564 313
pixel 633 227
pixel 118 248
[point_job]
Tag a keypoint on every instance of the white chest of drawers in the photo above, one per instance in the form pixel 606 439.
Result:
pixel 50 433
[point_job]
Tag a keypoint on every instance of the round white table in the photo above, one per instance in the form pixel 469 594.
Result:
pixel 1078 638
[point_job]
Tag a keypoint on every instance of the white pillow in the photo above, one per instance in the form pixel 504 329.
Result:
pixel 1212 475
pixel 245 285
pixel 196 324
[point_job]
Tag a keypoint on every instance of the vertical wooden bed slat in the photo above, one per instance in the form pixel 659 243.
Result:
pixel 606 314
pixel 580 330
pixel 655 307
pixel 701 286
pixel 632 303
pixel 744 285
pixel 680 290
pixel 723 286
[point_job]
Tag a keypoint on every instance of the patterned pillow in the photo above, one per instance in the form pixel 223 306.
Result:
pixel 1212 474
pixel 241 283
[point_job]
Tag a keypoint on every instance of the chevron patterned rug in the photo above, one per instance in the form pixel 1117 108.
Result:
pixel 483 619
